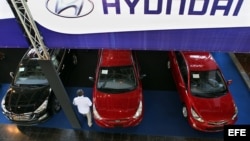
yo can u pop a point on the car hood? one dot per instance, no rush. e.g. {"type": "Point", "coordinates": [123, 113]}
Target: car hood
{"type": "Point", "coordinates": [25, 99]}
{"type": "Point", "coordinates": [219, 108]}
{"type": "Point", "coordinates": [120, 105]}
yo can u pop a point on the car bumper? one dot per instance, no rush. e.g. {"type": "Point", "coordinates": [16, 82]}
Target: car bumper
{"type": "Point", "coordinates": [113, 123]}
{"type": "Point", "coordinates": [212, 126]}
{"type": "Point", "coordinates": [27, 118]}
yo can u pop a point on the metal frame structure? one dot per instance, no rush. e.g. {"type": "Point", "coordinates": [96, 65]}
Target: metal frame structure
{"type": "Point", "coordinates": [23, 15]}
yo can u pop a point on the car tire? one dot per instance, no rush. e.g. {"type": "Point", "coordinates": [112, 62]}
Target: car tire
{"type": "Point", "coordinates": [184, 111]}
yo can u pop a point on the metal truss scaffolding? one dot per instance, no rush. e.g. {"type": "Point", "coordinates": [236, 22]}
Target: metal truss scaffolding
{"type": "Point", "coordinates": [23, 15]}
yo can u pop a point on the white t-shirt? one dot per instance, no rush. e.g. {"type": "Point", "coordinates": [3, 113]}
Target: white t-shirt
{"type": "Point", "coordinates": [83, 104]}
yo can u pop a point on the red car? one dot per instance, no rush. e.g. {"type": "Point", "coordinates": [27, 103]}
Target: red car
{"type": "Point", "coordinates": [117, 92]}
{"type": "Point", "coordinates": [207, 102]}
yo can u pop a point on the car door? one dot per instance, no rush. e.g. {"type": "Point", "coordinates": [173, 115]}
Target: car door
{"type": "Point", "coordinates": [182, 75]}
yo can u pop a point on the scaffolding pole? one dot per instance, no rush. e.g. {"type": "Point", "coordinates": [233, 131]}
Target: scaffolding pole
{"type": "Point", "coordinates": [24, 17]}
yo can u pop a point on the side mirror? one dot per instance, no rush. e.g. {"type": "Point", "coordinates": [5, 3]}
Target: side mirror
{"type": "Point", "coordinates": [91, 78]}
{"type": "Point", "coordinates": [229, 82]}
{"type": "Point", "coordinates": [12, 74]}
{"type": "Point", "coordinates": [63, 66]}
{"type": "Point", "coordinates": [142, 76]}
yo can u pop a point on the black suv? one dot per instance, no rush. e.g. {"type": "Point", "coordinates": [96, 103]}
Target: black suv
{"type": "Point", "coordinates": [30, 99]}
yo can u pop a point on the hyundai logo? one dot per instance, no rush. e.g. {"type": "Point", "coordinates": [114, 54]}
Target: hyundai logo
{"type": "Point", "coordinates": [70, 8]}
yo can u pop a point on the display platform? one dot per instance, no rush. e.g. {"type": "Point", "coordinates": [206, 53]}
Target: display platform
{"type": "Point", "coordinates": [162, 115]}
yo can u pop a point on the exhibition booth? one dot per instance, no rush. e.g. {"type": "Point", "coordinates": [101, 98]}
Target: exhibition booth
{"type": "Point", "coordinates": [148, 27]}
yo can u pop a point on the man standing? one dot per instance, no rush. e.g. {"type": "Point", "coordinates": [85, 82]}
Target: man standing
{"type": "Point", "coordinates": [83, 105]}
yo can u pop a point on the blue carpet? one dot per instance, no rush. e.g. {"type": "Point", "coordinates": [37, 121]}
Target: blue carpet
{"type": "Point", "coordinates": [162, 116]}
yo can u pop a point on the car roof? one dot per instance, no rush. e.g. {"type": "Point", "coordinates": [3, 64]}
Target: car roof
{"type": "Point", "coordinates": [200, 61]}
{"type": "Point", "coordinates": [111, 57]}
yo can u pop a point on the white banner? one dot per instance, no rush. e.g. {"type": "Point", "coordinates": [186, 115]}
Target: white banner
{"type": "Point", "coordinates": [5, 11]}
{"type": "Point", "coordinates": [98, 16]}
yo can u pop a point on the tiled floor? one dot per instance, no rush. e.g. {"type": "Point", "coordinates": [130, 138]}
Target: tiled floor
{"type": "Point", "coordinates": [11, 132]}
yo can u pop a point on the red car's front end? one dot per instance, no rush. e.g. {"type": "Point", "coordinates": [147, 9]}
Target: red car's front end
{"type": "Point", "coordinates": [118, 110]}
{"type": "Point", "coordinates": [117, 93]}
{"type": "Point", "coordinates": [211, 114]}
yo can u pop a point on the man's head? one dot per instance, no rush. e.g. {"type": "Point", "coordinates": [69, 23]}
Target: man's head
{"type": "Point", "coordinates": [80, 92]}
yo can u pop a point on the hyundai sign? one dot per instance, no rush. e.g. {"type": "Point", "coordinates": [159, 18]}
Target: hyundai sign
{"type": "Point", "coordinates": [97, 16]}
{"type": "Point", "coordinates": [206, 25]}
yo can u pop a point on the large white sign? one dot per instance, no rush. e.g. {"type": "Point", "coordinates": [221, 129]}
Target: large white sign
{"type": "Point", "coordinates": [97, 16]}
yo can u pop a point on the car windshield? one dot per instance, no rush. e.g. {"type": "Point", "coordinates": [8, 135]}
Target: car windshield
{"type": "Point", "coordinates": [207, 84]}
{"type": "Point", "coordinates": [30, 73]}
{"type": "Point", "coordinates": [116, 79]}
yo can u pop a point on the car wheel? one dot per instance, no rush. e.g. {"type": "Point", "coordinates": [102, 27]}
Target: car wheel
{"type": "Point", "coordinates": [74, 59]}
{"type": "Point", "coordinates": [184, 111]}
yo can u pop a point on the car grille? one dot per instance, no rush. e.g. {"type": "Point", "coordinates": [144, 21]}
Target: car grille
{"type": "Point", "coordinates": [118, 123]}
{"type": "Point", "coordinates": [21, 117]}
{"type": "Point", "coordinates": [220, 128]}
{"type": "Point", "coordinates": [217, 123]}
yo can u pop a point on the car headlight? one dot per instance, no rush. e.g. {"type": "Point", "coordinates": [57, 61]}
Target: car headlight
{"type": "Point", "coordinates": [96, 114]}
{"type": "Point", "coordinates": [42, 107]}
{"type": "Point", "coordinates": [3, 105]}
{"type": "Point", "coordinates": [139, 110]}
{"type": "Point", "coordinates": [235, 113]}
{"type": "Point", "coordinates": [3, 100]}
{"type": "Point", "coordinates": [196, 116]}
